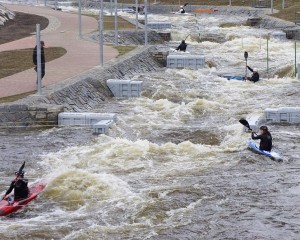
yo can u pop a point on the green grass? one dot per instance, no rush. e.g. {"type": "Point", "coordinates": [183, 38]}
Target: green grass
{"type": "Point", "coordinates": [16, 61]}
{"type": "Point", "coordinates": [15, 97]}
{"type": "Point", "coordinates": [124, 49]}
{"type": "Point", "coordinates": [109, 22]}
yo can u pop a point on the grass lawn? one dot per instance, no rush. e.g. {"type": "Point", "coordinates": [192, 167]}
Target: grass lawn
{"type": "Point", "coordinates": [23, 25]}
{"type": "Point", "coordinates": [12, 62]}
{"type": "Point", "coordinates": [109, 22]}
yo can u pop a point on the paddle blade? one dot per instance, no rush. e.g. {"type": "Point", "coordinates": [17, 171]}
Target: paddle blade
{"type": "Point", "coordinates": [245, 123]}
{"type": "Point", "coordinates": [21, 168]}
{"type": "Point", "coordinates": [246, 55]}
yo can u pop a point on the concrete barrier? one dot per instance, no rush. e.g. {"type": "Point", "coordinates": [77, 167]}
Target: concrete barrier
{"type": "Point", "coordinates": [185, 61]}
{"type": "Point", "coordinates": [83, 119]}
{"type": "Point", "coordinates": [102, 126]}
{"type": "Point", "coordinates": [159, 25]}
{"type": "Point", "coordinates": [125, 88]}
{"type": "Point", "coordinates": [284, 114]}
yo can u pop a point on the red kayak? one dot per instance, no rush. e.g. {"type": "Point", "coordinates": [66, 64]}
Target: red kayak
{"type": "Point", "coordinates": [7, 207]}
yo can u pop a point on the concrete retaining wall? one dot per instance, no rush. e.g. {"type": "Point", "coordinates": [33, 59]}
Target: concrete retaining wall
{"type": "Point", "coordinates": [77, 94]}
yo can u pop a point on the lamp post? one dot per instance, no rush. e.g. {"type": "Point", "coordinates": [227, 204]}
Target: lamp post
{"type": "Point", "coordinates": [101, 32]}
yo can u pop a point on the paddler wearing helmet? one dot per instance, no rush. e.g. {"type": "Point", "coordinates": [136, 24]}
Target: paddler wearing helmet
{"type": "Point", "coordinates": [20, 187]}
{"type": "Point", "coordinates": [265, 138]}
{"type": "Point", "coordinates": [255, 75]}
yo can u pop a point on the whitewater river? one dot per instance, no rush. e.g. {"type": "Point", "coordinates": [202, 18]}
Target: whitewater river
{"type": "Point", "coordinates": [175, 165]}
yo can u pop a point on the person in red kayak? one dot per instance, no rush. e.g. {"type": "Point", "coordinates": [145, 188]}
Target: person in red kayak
{"type": "Point", "coordinates": [20, 187]}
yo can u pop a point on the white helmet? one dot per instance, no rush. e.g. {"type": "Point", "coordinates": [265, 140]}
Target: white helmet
{"type": "Point", "coordinates": [254, 69]}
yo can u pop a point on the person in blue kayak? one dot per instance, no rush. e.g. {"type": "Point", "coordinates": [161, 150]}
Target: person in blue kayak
{"type": "Point", "coordinates": [255, 75]}
{"type": "Point", "coordinates": [265, 138]}
{"type": "Point", "coordinates": [20, 187]}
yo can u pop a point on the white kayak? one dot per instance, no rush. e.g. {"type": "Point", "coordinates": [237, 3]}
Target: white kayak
{"type": "Point", "coordinates": [272, 154]}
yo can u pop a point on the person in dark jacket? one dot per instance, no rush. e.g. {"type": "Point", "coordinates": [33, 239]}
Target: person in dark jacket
{"type": "Point", "coordinates": [265, 138]}
{"type": "Point", "coordinates": [20, 187]}
{"type": "Point", "coordinates": [34, 58]}
{"type": "Point", "coordinates": [255, 75]}
{"type": "Point", "coordinates": [182, 46]}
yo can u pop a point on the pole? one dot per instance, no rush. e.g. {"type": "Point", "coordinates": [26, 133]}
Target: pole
{"type": "Point", "coordinates": [260, 36]}
{"type": "Point", "coordinates": [110, 7]}
{"type": "Point", "coordinates": [295, 59]}
{"type": "Point", "coordinates": [146, 23]}
{"type": "Point", "coordinates": [136, 15]}
{"type": "Point", "coordinates": [272, 6]}
{"type": "Point", "coordinates": [268, 57]}
{"type": "Point", "coordinates": [229, 2]}
{"type": "Point", "coordinates": [55, 5]}
{"type": "Point", "coordinates": [282, 4]}
{"type": "Point", "coordinates": [116, 23]}
{"type": "Point", "coordinates": [38, 55]}
{"type": "Point", "coordinates": [101, 32]}
{"type": "Point", "coordinates": [79, 19]}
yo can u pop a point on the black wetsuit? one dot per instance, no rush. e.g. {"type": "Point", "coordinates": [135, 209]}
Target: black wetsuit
{"type": "Point", "coordinates": [21, 189]}
{"type": "Point", "coordinates": [34, 59]}
{"type": "Point", "coordinates": [255, 76]}
{"type": "Point", "coordinates": [265, 141]}
{"type": "Point", "coordinates": [182, 46]}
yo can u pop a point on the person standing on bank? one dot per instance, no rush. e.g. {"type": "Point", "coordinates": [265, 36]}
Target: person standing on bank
{"type": "Point", "coordinates": [265, 138]}
{"type": "Point", "coordinates": [255, 75]}
{"type": "Point", "coordinates": [34, 58]}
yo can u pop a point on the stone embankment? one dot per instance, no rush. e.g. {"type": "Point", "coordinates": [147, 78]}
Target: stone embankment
{"type": "Point", "coordinates": [80, 93]}
{"type": "Point", "coordinates": [5, 14]}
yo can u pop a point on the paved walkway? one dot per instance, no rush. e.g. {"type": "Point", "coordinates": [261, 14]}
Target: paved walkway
{"type": "Point", "coordinates": [62, 32]}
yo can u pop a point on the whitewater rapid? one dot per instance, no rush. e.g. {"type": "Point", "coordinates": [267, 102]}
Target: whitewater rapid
{"type": "Point", "coordinates": [175, 164]}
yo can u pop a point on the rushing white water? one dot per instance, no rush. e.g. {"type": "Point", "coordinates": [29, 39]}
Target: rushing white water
{"type": "Point", "coordinates": [175, 164]}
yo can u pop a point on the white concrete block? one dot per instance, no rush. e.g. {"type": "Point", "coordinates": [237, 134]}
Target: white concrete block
{"type": "Point", "coordinates": [102, 126]}
{"type": "Point", "coordinates": [136, 88]}
{"type": "Point", "coordinates": [119, 88]}
{"type": "Point", "coordinates": [284, 114]}
{"type": "Point", "coordinates": [125, 88]}
{"type": "Point", "coordinates": [186, 61]}
{"type": "Point", "coordinates": [159, 25]}
{"type": "Point", "coordinates": [71, 119]}
{"type": "Point", "coordinates": [93, 118]}
{"type": "Point", "coordinates": [279, 35]}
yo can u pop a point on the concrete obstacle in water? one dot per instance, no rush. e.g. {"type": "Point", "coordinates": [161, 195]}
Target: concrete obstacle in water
{"type": "Point", "coordinates": [279, 35]}
{"type": "Point", "coordinates": [124, 88]}
{"type": "Point", "coordinates": [185, 61]}
{"type": "Point", "coordinates": [274, 115]}
{"type": "Point", "coordinates": [100, 122]}
{"type": "Point", "coordinates": [284, 114]}
{"type": "Point", "coordinates": [159, 25]}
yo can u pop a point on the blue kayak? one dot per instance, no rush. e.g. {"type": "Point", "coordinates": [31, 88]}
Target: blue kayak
{"type": "Point", "coordinates": [241, 78]}
{"type": "Point", "coordinates": [271, 154]}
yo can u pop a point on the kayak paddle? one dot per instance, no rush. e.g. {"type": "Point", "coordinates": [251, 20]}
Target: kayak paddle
{"type": "Point", "coordinates": [245, 123]}
{"type": "Point", "coordinates": [246, 56]}
{"type": "Point", "coordinates": [21, 169]}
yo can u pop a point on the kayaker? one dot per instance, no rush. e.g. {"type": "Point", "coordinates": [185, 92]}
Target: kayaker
{"type": "Point", "coordinates": [182, 46]}
{"type": "Point", "coordinates": [181, 10]}
{"type": "Point", "coordinates": [265, 138]}
{"type": "Point", "coordinates": [255, 75]}
{"type": "Point", "coordinates": [20, 187]}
